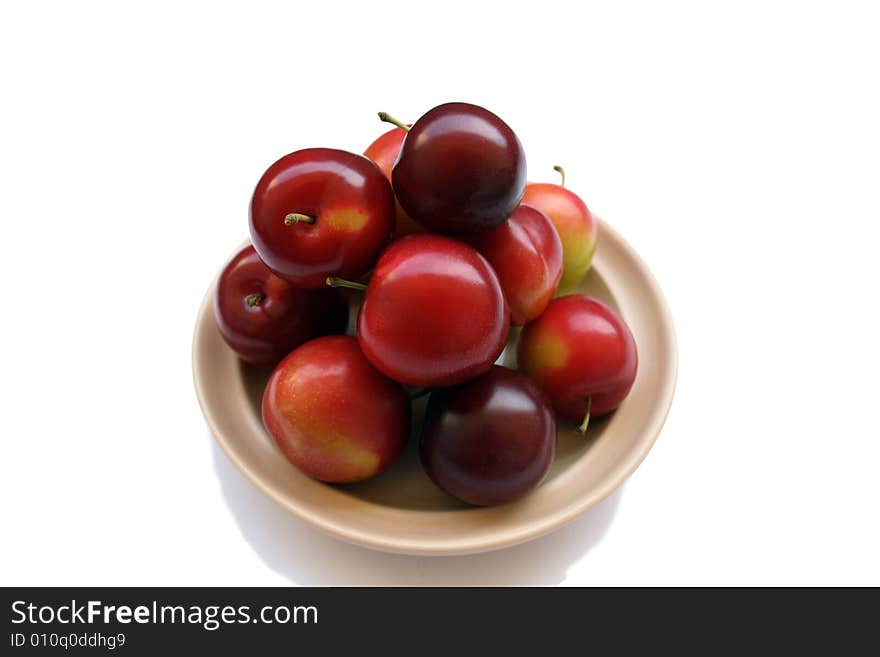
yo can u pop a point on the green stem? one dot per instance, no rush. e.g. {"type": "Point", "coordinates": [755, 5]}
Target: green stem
{"type": "Point", "coordinates": [254, 299]}
{"type": "Point", "coordinates": [419, 392]}
{"type": "Point", "coordinates": [335, 281]}
{"type": "Point", "coordinates": [583, 427]}
{"type": "Point", "coordinates": [385, 116]}
{"type": "Point", "coordinates": [296, 217]}
{"type": "Point", "coordinates": [561, 173]}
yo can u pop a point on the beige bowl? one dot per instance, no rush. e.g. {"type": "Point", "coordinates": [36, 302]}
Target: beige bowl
{"type": "Point", "coordinates": [401, 510]}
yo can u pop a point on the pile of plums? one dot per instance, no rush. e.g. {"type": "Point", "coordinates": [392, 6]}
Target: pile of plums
{"type": "Point", "coordinates": [437, 229]}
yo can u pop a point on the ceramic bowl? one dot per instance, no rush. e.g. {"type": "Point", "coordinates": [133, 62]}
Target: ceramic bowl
{"type": "Point", "coordinates": [401, 510]}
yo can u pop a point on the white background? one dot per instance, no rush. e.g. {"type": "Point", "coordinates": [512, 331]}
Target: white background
{"type": "Point", "coordinates": [735, 145]}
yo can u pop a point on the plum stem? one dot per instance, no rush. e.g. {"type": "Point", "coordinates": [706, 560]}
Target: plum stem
{"type": "Point", "coordinates": [418, 392]}
{"type": "Point", "coordinates": [335, 281]}
{"type": "Point", "coordinates": [254, 299]}
{"type": "Point", "coordinates": [296, 217]}
{"type": "Point", "coordinates": [561, 173]}
{"type": "Point", "coordinates": [385, 116]}
{"type": "Point", "coordinates": [586, 422]}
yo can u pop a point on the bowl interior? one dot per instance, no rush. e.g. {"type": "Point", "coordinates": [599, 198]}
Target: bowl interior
{"type": "Point", "coordinates": [401, 510]}
{"type": "Point", "coordinates": [404, 484]}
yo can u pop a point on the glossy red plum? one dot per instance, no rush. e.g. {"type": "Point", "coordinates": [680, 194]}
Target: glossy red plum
{"type": "Point", "coordinates": [320, 212]}
{"type": "Point", "coordinates": [433, 313]}
{"type": "Point", "coordinates": [262, 317]}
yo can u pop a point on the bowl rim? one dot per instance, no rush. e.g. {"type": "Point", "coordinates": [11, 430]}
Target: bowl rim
{"type": "Point", "coordinates": [549, 523]}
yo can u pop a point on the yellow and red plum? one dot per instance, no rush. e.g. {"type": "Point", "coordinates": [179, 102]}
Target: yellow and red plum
{"type": "Point", "coordinates": [384, 152]}
{"type": "Point", "coordinates": [332, 414]}
{"type": "Point", "coordinates": [576, 225]}
{"type": "Point", "coordinates": [582, 354]}
{"type": "Point", "coordinates": [526, 253]}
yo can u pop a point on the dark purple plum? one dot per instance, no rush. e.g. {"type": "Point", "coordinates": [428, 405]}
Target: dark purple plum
{"type": "Point", "coordinates": [490, 440]}
{"type": "Point", "coordinates": [461, 169]}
